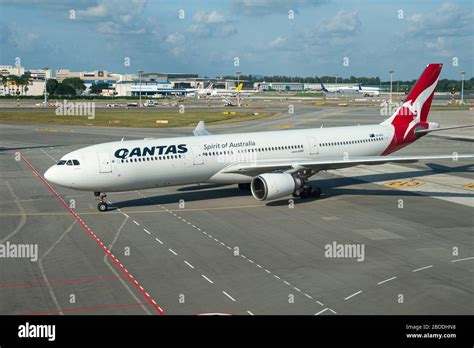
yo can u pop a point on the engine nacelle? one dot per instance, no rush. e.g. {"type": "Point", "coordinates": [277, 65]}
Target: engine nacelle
{"type": "Point", "coordinates": [272, 186]}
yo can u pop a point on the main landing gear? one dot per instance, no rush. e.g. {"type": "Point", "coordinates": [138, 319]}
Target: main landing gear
{"type": "Point", "coordinates": [307, 191]}
{"type": "Point", "coordinates": [102, 206]}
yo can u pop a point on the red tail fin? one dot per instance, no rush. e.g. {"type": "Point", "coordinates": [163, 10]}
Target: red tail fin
{"type": "Point", "coordinates": [414, 110]}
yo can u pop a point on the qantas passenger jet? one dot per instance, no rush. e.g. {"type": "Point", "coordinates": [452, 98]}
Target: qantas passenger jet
{"type": "Point", "coordinates": [271, 164]}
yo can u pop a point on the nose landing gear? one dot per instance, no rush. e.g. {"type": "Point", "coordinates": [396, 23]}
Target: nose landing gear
{"type": "Point", "coordinates": [102, 206]}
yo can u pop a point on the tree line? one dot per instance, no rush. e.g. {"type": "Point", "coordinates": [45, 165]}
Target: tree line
{"type": "Point", "coordinates": [68, 87]}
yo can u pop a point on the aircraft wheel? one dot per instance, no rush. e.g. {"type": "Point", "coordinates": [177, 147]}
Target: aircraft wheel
{"type": "Point", "coordinates": [102, 206]}
{"type": "Point", "coordinates": [316, 191]}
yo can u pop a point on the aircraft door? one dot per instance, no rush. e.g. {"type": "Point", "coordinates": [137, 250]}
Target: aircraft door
{"type": "Point", "coordinates": [313, 146]}
{"type": "Point", "coordinates": [105, 165]}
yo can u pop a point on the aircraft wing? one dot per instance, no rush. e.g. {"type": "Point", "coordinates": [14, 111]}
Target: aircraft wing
{"type": "Point", "coordinates": [327, 163]}
{"type": "Point", "coordinates": [200, 129]}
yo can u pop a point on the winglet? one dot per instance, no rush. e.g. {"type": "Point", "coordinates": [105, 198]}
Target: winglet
{"type": "Point", "coordinates": [200, 129]}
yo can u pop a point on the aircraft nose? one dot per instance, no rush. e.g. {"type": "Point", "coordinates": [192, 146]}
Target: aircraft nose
{"type": "Point", "coordinates": [50, 175]}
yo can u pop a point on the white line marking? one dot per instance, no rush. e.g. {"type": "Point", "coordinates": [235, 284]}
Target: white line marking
{"type": "Point", "coordinates": [354, 294]}
{"type": "Point", "coordinates": [386, 280]}
{"type": "Point", "coordinates": [286, 282]}
{"type": "Point", "coordinates": [210, 281]}
{"type": "Point", "coordinates": [332, 311]}
{"type": "Point", "coordinates": [466, 258]}
{"type": "Point", "coordinates": [186, 262]}
{"type": "Point", "coordinates": [146, 230]}
{"type": "Point", "coordinates": [308, 296]}
{"type": "Point", "coordinates": [297, 289]}
{"type": "Point", "coordinates": [136, 223]}
{"type": "Point", "coordinates": [422, 268]}
{"type": "Point", "coordinates": [225, 293]}
{"type": "Point", "coordinates": [277, 277]}
{"type": "Point", "coordinates": [172, 251]}
{"type": "Point", "coordinates": [320, 312]}
{"type": "Point", "coordinates": [126, 215]}
{"type": "Point", "coordinates": [249, 312]}
{"type": "Point", "coordinates": [266, 270]}
{"type": "Point", "coordinates": [259, 266]}
{"type": "Point", "coordinates": [159, 241]}
{"type": "Point", "coordinates": [320, 303]}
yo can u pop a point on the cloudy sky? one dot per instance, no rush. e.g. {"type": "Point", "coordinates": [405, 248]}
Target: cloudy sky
{"type": "Point", "coordinates": [269, 37]}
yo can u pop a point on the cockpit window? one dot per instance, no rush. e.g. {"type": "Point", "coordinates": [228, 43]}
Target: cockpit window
{"type": "Point", "coordinates": [61, 163]}
{"type": "Point", "coordinates": [69, 163]}
{"type": "Point", "coordinates": [76, 162]}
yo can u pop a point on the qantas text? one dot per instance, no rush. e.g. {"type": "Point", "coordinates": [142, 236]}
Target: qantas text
{"type": "Point", "coordinates": [151, 151]}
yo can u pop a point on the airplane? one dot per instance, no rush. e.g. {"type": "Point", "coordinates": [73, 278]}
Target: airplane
{"type": "Point", "coordinates": [337, 89]}
{"type": "Point", "coordinates": [272, 164]}
{"type": "Point", "coordinates": [369, 91]}
{"type": "Point", "coordinates": [220, 92]}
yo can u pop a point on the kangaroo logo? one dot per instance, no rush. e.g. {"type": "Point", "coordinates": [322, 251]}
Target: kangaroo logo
{"type": "Point", "coordinates": [415, 107]}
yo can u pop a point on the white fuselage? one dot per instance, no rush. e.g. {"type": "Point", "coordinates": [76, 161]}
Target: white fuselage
{"type": "Point", "coordinates": [140, 164]}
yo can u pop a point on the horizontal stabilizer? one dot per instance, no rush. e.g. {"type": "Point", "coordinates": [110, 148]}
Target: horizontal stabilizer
{"type": "Point", "coordinates": [424, 131]}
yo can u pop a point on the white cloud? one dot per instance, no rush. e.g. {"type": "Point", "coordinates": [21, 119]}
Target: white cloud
{"type": "Point", "coordinates": [438, 46]}
{"type": "Point", "coordinates": [443, 32]}
{"type": "Point", "coordinates": [448, 20]}
{"type": "Point", "coordinates": [211, 17]}
{"type": "Point", "coordinates": [174, 38]}
{"type": "Point", "coordinates": [99, 10]}
{"type": "Point", "coordinates": [115, 17]}
{"type": "Point", "coordinates": [266, 7]}
{"type": "Point", "coordinates": [278, 42]}
{"type": "Point", "coordinates": [211, 24]}
{"type": "Point", "coordinates": [342, 24]}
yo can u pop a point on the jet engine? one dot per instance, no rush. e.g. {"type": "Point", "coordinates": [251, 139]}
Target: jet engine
{"type": "Point", "coordinates": [273, 185]}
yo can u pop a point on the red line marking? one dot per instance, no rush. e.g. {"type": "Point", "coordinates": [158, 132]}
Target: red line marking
{"type": "Point", "coordinates": [59, 282]}
{"type": "Point", "coordinates": [93, 236]}
{"type": "Point", "coordinates": [86, 309]}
